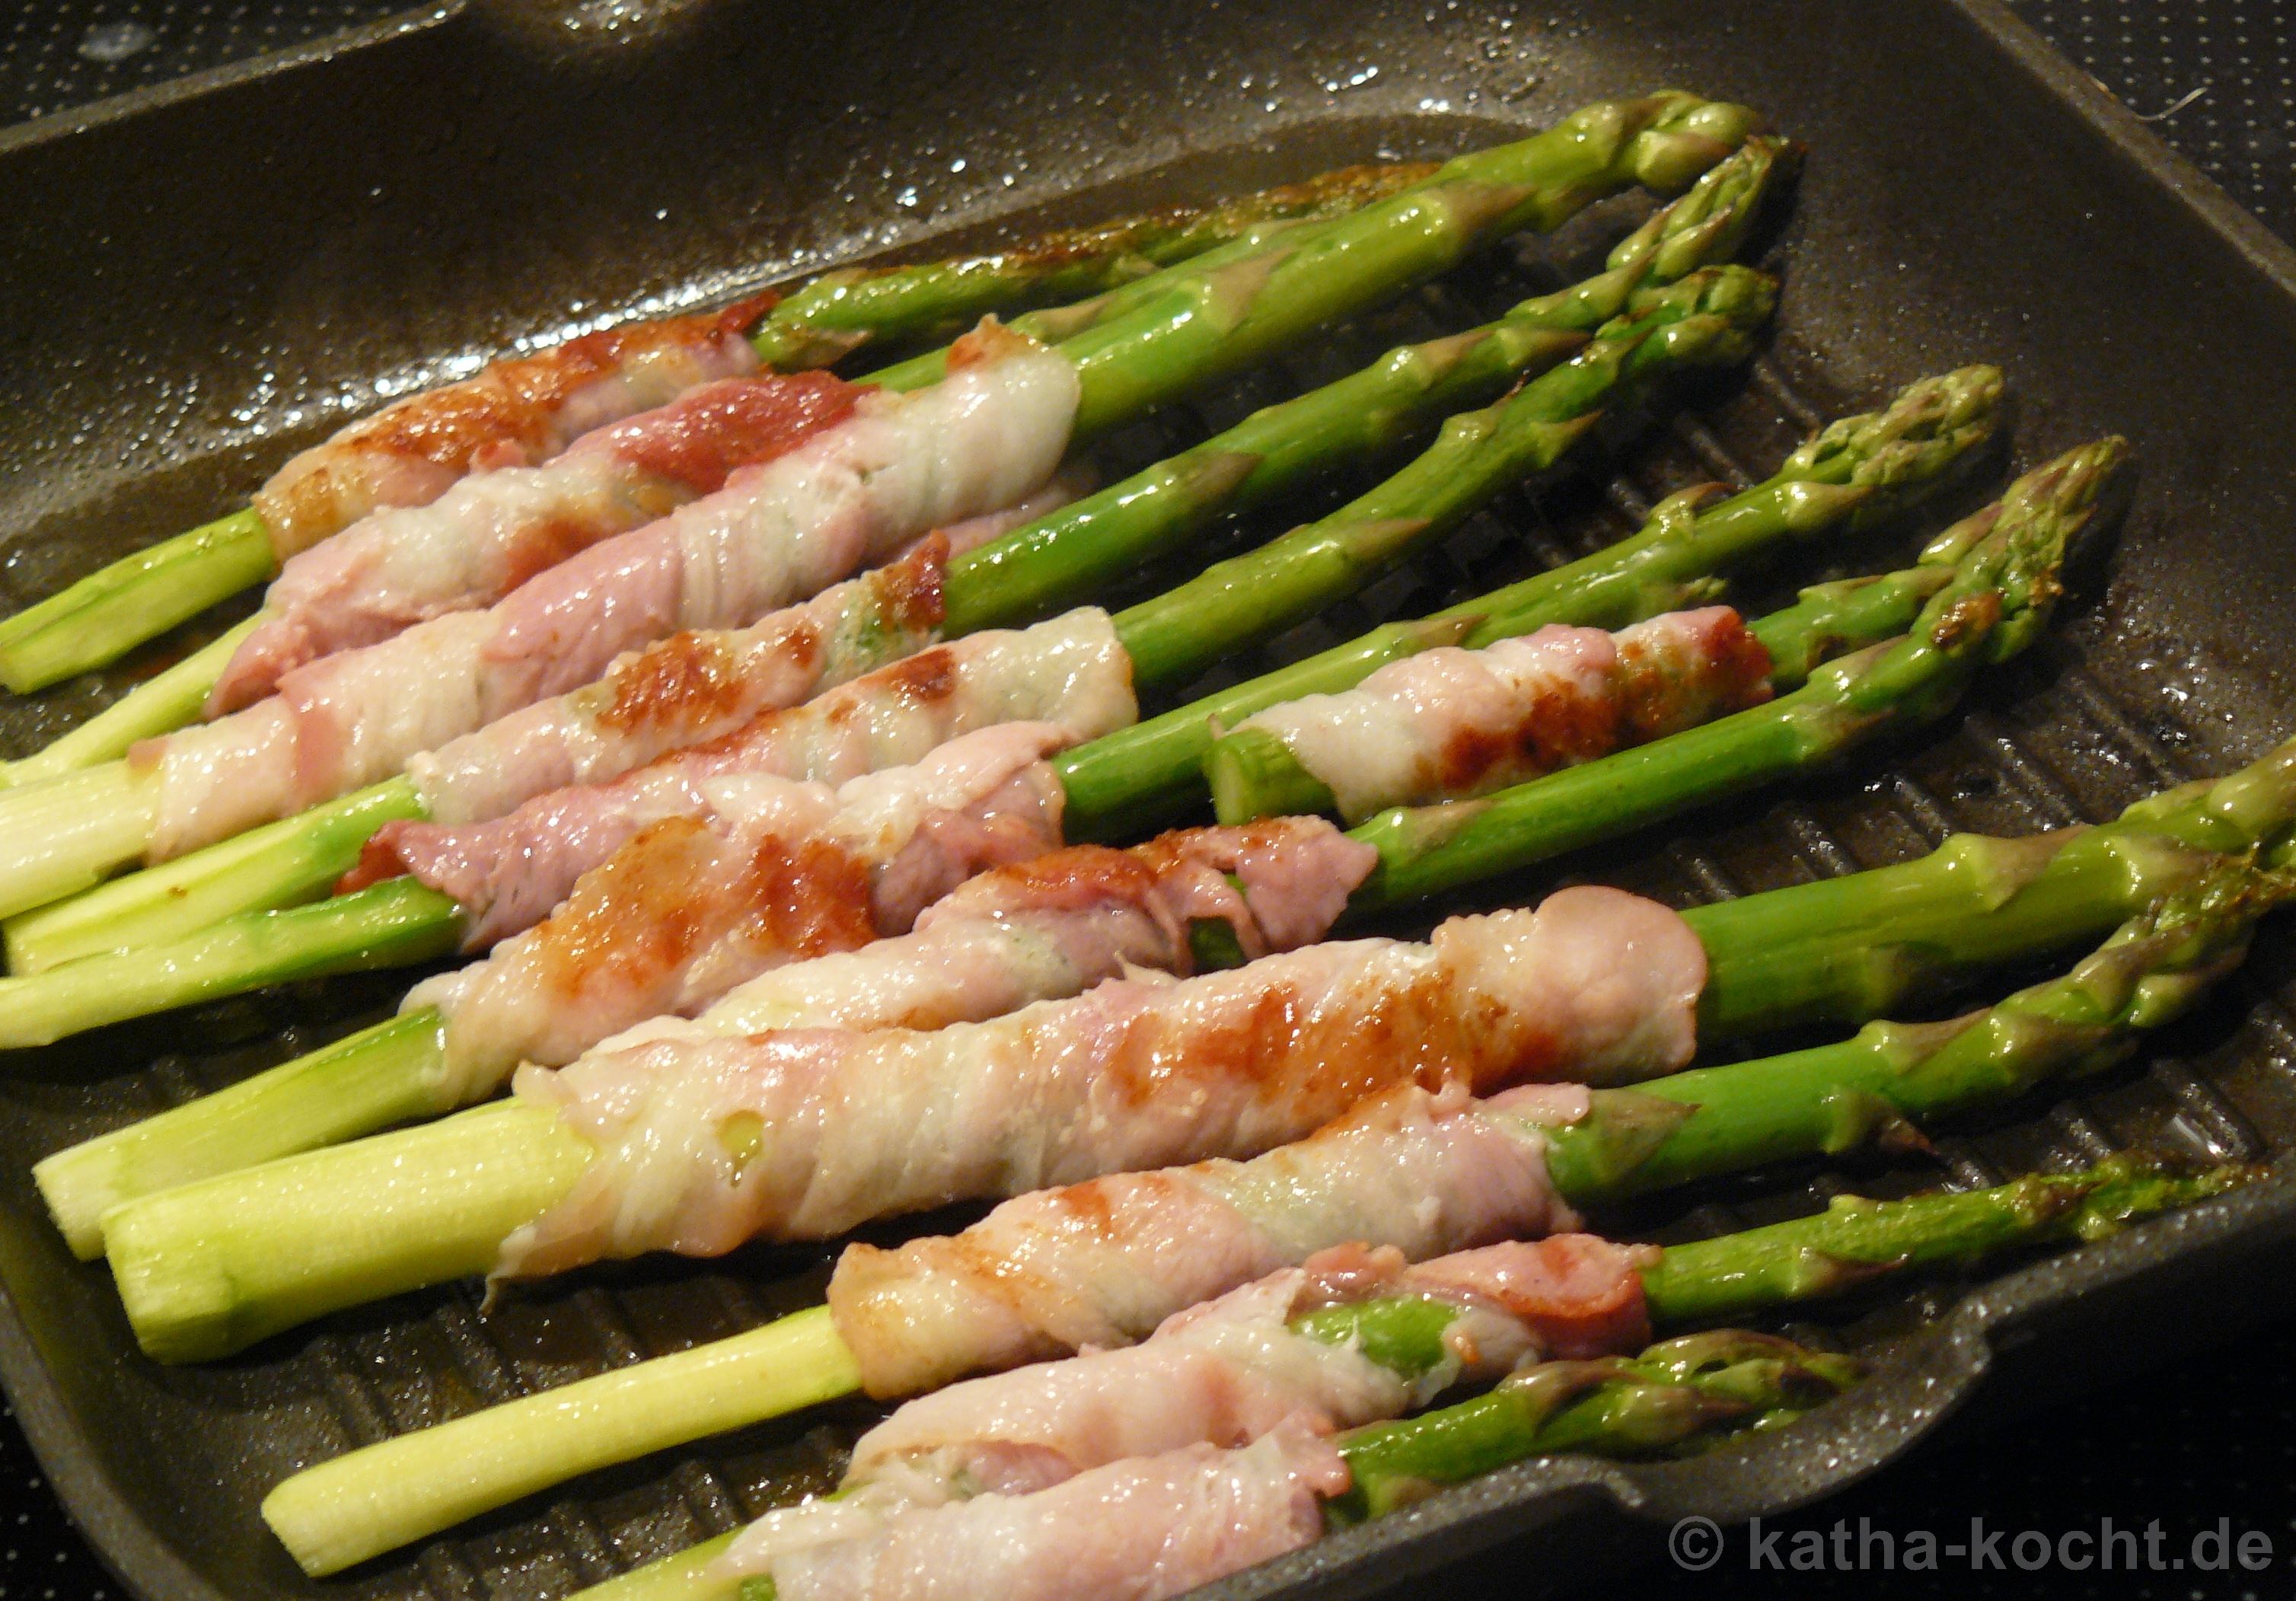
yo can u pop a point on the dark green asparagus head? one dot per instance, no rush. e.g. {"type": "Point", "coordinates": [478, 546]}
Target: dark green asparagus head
{"type": "Point", "coordinates": [2004, 586]}
{"type": "Point", "coordinates": [1710, 318]}
{"type": "Point", "coordinates": [1666, 140]}
{"type": "Point", "coordinates": [1702, 228]}
{"type": "Point", "coordinates": [1708, 223]}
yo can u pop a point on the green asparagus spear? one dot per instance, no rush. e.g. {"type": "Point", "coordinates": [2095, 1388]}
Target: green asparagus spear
{"type": "Point", "coordinates": [1893, 1076]}
{"type": "Point", "coordinates": [106, 614]}
{"type": "Point", "coordinates": [1998, 601]}
{"type": "Point", "coordinates": [836, 313]}
{"type": "Point", "coordinates": [1638, 1407]}
{"type": "Point", "coordinates": [1860, 470]}
{"type": "Point", "coordinates": [1706, 318]}
{"type": "Point", "coordinates": [1061, 558]}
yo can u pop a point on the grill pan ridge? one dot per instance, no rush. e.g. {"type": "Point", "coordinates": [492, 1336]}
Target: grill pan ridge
{"type": "Point", "coordinates": [223, 265]}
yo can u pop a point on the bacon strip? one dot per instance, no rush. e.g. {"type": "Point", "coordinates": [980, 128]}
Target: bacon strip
{"type": "Point", "coordinates": [1139, 1530]}
{"type": "Point", "coordinates": [703, 1145]}
{"type": "Point", "coordinates": [1102, 1264]}
{"type": "Point", "coordinates": [985, 438]}
{"type": "Point", "coordinates": [506, 874]}
{"type": "Point", "coordinates": [515, 412]}
{"type": "Point", "coordinates": [491, 532]}
{"type": "Point", "coordinates": [1449, 723]}
{"type": "Point", "coordinates": [1231, 1369]}
{"type": "Point", "coordinates": [701, 684]}
{"type": "Point", "coordinates": [1053, 927]}
{"type": "Point", "coordinates": [765, 872]}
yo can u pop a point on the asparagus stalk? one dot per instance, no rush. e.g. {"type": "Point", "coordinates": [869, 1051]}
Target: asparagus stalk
{"type": "Point", "coordinates": [838, 312]}
{"type": "Point", "coordinates": [105, 615]}
{"type": "Point", "coordinates": [374, 1499]}
{"type": "Point", "coordinates": [165, 702]}
{"type": "Point", "coordinates": [1637, 1408]}
{"type": "Point", "coordinates": [1996, 604]}
{"type": "Point", "coordinates": [210, 1267]}
{"type": "Point", "coordinates": [1060, 559]}
{"type": "Point", "coordinates": [1856, 471]}
{"type": "Point", "coordinates": [1888, 1077]}
{"type": "Point", "coordinates": [1199, 324]}
{"type": "Point", "coordinates": [1705, 319]}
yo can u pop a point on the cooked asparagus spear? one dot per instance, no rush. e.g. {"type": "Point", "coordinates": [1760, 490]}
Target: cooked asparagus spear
{"type": "Point", "coordinates": [108, 613]}
{"type": "Point", "coordinates": [1704, 320]}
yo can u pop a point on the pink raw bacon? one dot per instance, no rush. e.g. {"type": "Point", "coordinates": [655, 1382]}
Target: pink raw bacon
{"type": "Point", "coordinates": [1103, 1263]}
{"type": "Point", "coordinates": [1054, 926]}
{"type": "Point", "coordinates": [512, 413]}
{"type": "Point", "coordinates": [699, 684]}
{"type": "Point", "coordinates": [1140, 1529]}
{"type": "Point", "coordinates": [491, 532]}
{"type": "Point", "coordinates": [1230, 1369]}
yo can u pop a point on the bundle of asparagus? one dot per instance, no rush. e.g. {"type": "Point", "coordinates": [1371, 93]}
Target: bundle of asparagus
{"type": "Point", "coordinates": [883, 1026]}
{"type": "Point", "coordinates": [912, 1319]}
{"type": "Point", "coordinates": [423, 1062]}
{"type": "Point", "coordinates": [686, 691]}
{"type": "Point", "coordinates": [1142, 345]}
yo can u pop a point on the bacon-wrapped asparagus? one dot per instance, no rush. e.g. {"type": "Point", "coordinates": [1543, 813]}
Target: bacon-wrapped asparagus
{"type": "Point", "coordinates": [697, 685]}
{"type": "Point", "coordinates": [493, 531]}
{"type": "Point", "coordinates": [1051, 1421]}
{"type": "Point", "coordinates": [1705, 319]}
{"type": "Point", "coordinates": [1151, 338]}
{"type": "Point", "coordinates": [1040, 930]}
{"type": "Point", "coordinates": [525, 410]}
{"type": "Point", "coordinates": [1597, 984]}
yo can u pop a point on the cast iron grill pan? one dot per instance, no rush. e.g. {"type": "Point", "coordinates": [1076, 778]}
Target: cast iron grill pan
{"type": "Point", "coordinates": [221, 267]}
